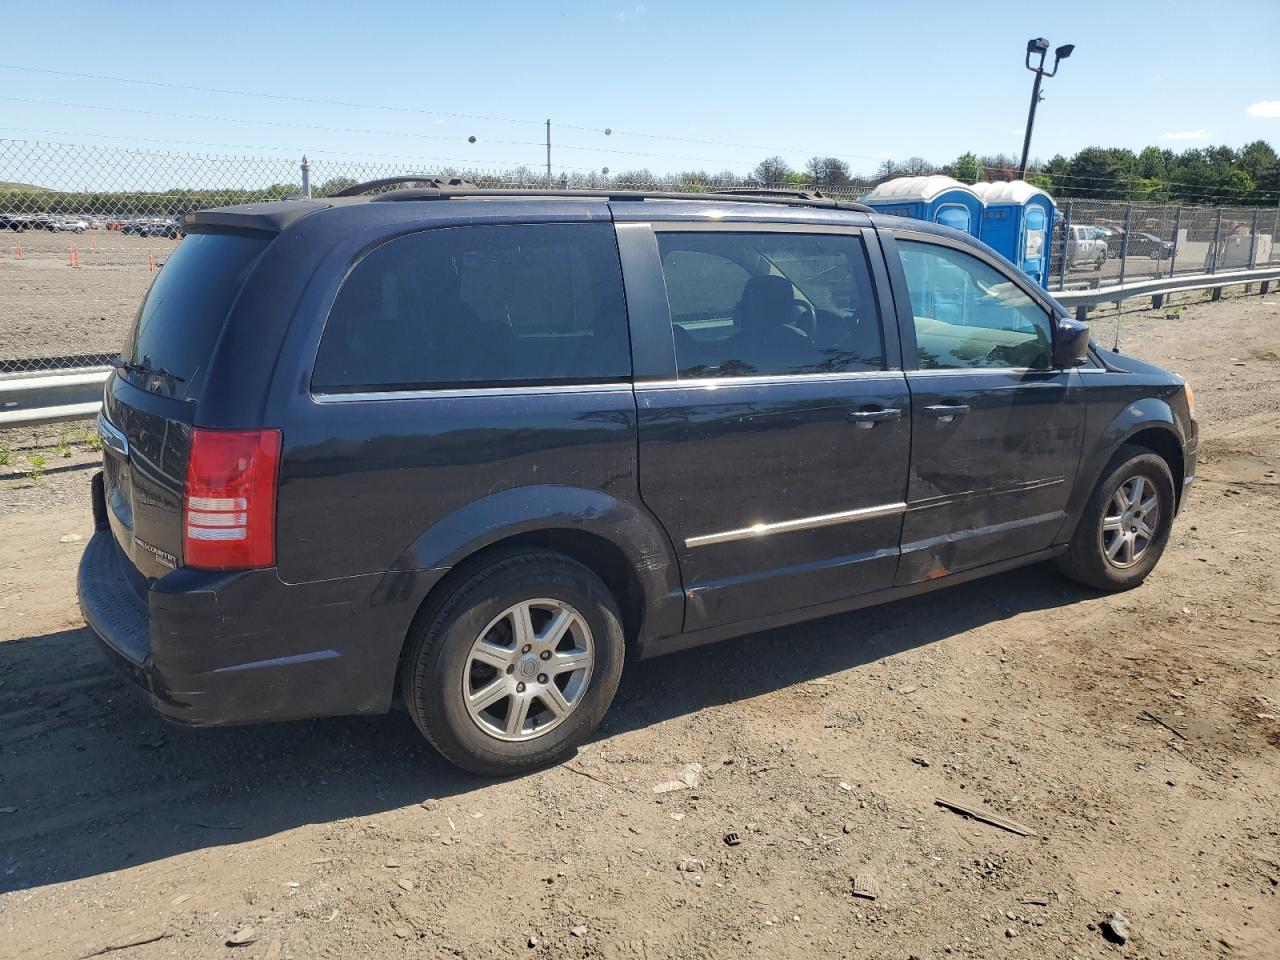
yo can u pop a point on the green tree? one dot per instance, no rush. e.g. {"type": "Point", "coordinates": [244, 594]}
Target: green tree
{"type": "Point", "coordinates": [966, 169]}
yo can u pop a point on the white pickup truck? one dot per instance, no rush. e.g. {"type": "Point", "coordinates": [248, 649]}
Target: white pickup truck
{"type": "Point", "coordinates": [1086, 246]}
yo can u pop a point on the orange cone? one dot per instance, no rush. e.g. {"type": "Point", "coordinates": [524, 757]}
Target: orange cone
{"type": "Point", "coordinates": [20, 254]}
{"type": "Point", "coordinates": [151, 262]}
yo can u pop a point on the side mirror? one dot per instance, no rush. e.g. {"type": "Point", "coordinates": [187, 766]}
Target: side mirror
{"type": "Point", "coordinates": [1070, 343]}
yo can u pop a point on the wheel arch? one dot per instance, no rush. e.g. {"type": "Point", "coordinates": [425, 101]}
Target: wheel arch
{"type": "Point", "coordinates": [1149, 423]}
{"type": "Point", "coordinates": [618, 541]}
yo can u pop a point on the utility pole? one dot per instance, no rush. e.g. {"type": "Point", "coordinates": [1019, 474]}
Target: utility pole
{"type": "Point", "coordinates": [549, 153]}
{"type": "Point", "coordinates": [1041, 46]}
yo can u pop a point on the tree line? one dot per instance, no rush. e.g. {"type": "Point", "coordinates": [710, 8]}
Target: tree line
{"type": "Point", "coordinates": [1248, 176]}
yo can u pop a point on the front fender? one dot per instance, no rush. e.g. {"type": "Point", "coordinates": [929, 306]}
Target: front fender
{"type": "Point", "coordinates": [631, 529]}
{"type": "Point", "coordinates": [1127, 421]}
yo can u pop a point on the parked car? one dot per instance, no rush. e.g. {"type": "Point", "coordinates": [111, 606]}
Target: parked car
{"type": "Point", "coordinates": [1085, 245]}
{"type": "Point", "coordinates": [1149, 245]}
{"type": "Point", "coordinates": [470, 450]}
{"type": "Point", "coordinates": [13, 221]}
{"type": "Point", "coordinates": [69, 225]}
{"type": "Point", "coordinates": [1139, 244]}
{"type": "Point", "coordinates": [152, 228]}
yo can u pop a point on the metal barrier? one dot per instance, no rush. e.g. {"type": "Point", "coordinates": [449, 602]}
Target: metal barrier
{"type": "Point", "coordinates": [1162, 287]}
{"type": "Point", "coordinates": [33, 399]}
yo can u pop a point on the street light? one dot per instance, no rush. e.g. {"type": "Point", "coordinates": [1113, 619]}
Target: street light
{"type": "Point", "coordinates": [1041, 46]}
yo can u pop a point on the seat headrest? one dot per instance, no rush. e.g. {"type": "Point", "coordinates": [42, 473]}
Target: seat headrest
{"type": "Point", "coordinates": [766, 303]}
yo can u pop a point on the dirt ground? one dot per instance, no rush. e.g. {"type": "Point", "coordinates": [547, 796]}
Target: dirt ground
{"type": "Point", "coordinates": [823, 746]}
{"type": "Point", "coordinates": [48, 308]}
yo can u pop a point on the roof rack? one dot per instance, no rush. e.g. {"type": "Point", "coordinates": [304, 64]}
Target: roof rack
{"type": "Point", "coordinates": [434, 181]}
{"type": "Point", "coordinates": [452, 188]}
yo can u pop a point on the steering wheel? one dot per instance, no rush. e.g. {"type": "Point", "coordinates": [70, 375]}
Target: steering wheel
{"type": "Point", "coordinates": [805, 318]}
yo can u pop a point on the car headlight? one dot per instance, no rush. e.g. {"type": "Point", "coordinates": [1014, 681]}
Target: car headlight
{"type": "Point", "coordinates": [1191, 399]}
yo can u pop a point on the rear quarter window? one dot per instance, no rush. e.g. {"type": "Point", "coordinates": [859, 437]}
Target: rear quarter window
{"type": "Point", "coordinates": [183, 313]}
{"type": "Point", "coordinates": [477, 306]}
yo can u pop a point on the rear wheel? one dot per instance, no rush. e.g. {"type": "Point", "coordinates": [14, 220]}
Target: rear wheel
{"type": "Point", "coordinates": [1125, 525]}
{"type": "Point", "coordinates": [515, 668]}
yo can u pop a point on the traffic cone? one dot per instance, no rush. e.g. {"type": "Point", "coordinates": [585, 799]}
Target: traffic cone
{"type": "Point", "coordinates": [20, 253]}
{"type": "Point", "coordinates": [151, 261]}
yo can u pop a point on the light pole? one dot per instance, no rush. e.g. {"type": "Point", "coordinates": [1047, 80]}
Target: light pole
{"type": "Point", "coordinates": [1041, 46]}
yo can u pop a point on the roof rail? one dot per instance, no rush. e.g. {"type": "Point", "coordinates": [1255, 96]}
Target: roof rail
{"type": "Point", "coordinates": [435, 181]}
{"type": "Point", "coordinates": [456, 188]}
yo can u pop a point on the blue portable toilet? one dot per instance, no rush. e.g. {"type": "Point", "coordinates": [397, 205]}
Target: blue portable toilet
{"type": "Point", "coordinates": [1017, 221]}
{"type": "Point", "coordinates": [938, 199]}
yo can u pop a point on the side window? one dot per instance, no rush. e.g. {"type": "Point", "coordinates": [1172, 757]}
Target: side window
{"type": "Point", "coordinates": [969, 314]}
{"type": "Point", "coordinates": [482, 305]}
{"type": "Point", "coordinates": [751, 304]}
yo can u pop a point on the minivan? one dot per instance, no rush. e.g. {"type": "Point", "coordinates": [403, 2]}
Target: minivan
{"type": "Point", "coordinates": [472, 450]}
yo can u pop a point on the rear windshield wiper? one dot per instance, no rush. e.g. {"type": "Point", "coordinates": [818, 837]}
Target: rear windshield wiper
{"type": "Point", "coordinates": [146, 370]}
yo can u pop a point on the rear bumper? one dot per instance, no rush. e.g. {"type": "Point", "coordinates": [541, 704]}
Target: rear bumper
{"type": "Point", "coordinates": [213, 648]}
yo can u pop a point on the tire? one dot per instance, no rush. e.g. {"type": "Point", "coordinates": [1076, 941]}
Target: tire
{"type": "Point", "coordinates": [1086, 560]}
{"type": "Point", "coordinates": [1101, 261]}
{"type": "Point", "coordinates": [442, 666]}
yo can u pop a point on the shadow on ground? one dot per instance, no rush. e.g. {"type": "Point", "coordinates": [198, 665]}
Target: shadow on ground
{"type": "Point", "coordinates": [99, 783]}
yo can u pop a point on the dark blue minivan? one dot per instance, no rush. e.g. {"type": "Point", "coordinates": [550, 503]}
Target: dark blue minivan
{"type": "Point", "coordinates": [472, 449]}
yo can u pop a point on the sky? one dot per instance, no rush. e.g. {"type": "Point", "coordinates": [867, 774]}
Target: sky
{"type": "Point", "coordinates": [680, 85]}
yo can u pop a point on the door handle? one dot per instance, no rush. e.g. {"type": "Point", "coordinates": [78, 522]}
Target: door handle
{"type": "Point", "coordinates": [866, 419]}
{"type": "Point", "coordinates": [946, 412]}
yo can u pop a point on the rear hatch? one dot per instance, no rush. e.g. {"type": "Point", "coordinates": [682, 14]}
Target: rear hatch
{"type": "Point", "coordinates": [152, 398]}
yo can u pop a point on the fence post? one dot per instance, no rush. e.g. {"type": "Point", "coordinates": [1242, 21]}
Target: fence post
{"type": "Point", "coordinates": [1124, 240]}
{"type": "Point", "coordinates": [306, 177]}
{"type": "Point", "coordinates": [1253, 241]}
{"type": "Point", "coordinates": [1066, 246]}
{"type": "Point", "coordinates": [1177, 226]}
{"type": "Point", "coordinates": [1217, 235]}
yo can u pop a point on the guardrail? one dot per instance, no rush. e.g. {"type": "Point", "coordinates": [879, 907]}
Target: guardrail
{"type": "Point", "coordinates": [32, 399]}
{"type": "Point", "coordinates": [1162, 287]}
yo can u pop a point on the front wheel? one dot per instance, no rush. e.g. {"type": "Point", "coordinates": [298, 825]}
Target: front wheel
{"type": "Point", "coordinates": [1125, 525]}
{"type": "Point", "coordinates": [515, 668]}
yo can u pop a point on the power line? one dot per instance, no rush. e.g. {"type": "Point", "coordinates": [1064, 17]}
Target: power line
{"type": "Point", "coordinates": [417, 110]}
{"type": "Point", "coordinates": [360, 130]}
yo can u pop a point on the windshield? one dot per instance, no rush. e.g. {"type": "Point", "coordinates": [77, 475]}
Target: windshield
{"type": "Point", "coordinates": [179, 321]}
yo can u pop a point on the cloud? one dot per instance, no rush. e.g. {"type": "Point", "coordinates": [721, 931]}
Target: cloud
{"type": "Point", "coordinates": [1270, 109]}
{"type": "Point", "coordinates": [1185, 135]}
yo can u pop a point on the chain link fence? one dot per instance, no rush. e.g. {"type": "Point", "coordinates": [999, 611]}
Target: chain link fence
{"type": "Point", "coordinates": [84, 228]}
{"type": "Point", "coordinates": [1103, 242]}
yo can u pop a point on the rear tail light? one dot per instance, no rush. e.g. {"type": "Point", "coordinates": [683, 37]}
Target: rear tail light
{"type": "Point", "coordinates": [229, 512]}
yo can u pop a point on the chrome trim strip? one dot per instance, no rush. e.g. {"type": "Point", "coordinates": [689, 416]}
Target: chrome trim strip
{"type": "Point", "coordinates": [719, 221]}
{"type": "Point", "coordinates": [464, 392]}
{"type": "Point", "coordinates": [951, 498]}
{"type": "Point", "coordinates": [960, 371]}
{"type": "Point", "coordinates": [804, 523]}
{"type": "Point", "coordinates": [712, 383]}
{"type": "Point", "coordinates": [112, 438]}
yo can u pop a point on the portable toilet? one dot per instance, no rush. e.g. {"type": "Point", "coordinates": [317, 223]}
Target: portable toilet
{"type": "Point", "coordinates": [1017, 221]}
{"type": "Point", "coordinates": [938, 198]}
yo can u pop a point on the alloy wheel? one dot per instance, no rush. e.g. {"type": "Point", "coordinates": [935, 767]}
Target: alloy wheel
{"type": "Point", "coordinates": [1130, 522]}
{"type": "Point", "coordinates": [528, 670]}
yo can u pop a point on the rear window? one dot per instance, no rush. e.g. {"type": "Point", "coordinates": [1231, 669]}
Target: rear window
{"type": "Point", "coordinates": [184, 311]}
{"type": "Point", "coordinates": [479, 305]}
